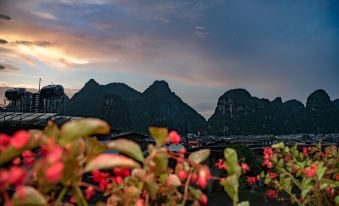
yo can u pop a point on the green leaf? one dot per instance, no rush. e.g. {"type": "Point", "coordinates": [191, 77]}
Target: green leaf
{"type": "Point", "coordinates": [320, 171]}
{"type": "Point", "coordinates": [32, 198]}
{"type": "Point", "coordinates": [127, 147]}
{"type": "Point", "coordinates": [231, 155]}
{"type": "Point", "coordinates": [51, 130]}
{"type": "Point", "coordinates": [280, 145]}
{"type": "Point", "coordinates": [245, 203]}
{"type": "Point", "coordinates": [173, 181]}
{"type": "Point", "coordinates": [231, 158]}
{"type": "Point", "coordinates": [152, 187]}
{"type": "Point", "coordinates": [159, 134]}
{"type": "Point", "coordinates": [337, 200]}
{"type": "Point", "coordinates": [76, 129]}
{"type": "Point", "coordinates": [200, 156]}
{"type": "Point", "coordinates": [196, 193]}
{"type": "Point", "coordinates": [231, 186]}
{"type": "Point", "coordinates": [306, 190]}
{"type": "Point", "coordinates": [161, 162]}
{"type": "Point", "coordinates": [94, 147]}
{"type": "Point", "coordinates": [109, 161]}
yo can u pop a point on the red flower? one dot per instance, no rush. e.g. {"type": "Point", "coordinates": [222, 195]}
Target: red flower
{"type": "Point", "coordinates": [203, 199]}
{"type": "Point", "coordinates": [21, 192]}
{"type": "Point", "coordinates": [118, 180]}
{"type": "Point", "coordinates": [273, 175]}
{"type": "Point", "coordinates": [4, 141]}
{"type": "Point", "coordinates": [54, 172]}
{"type": "Point", "coordinates": [193, 178]}
{"type": "Point", "coordinates": [16, 175]}
{"type": "Point", "coordinates": [102, 184]}
{"type": "Point", "coordinates": [271, 194]}
{"type": "Point", "coordinates": [245, 167]}
{"type": "Point", "coordinates": [183, 150]}
{"type": "Point", "coordinates": [182, 175]}
{"type": "Point", "coordinates": [140, 202]}
{"type": "Point", "coordinates": [267, 163]}
{"type": "Point", "coordinates": [311, 171]}
{"type": "Point", "coordinates": [99, 176]}
{"type": "Point", "coordinates": [28, 157]}
{"type": "Point", "coordinates": [90, 191]}
{"type": "Point", "coordinates": [174, 137]}
{"type": "Point", "coordinates": [54, 154]}
{"type": "Point", "coordinates": [251, 180]}
{"type": "Point", "coordinates": [20, 139]}
{"type": "Point", "coordinates": [305, 152]}
{"type": "Point", "coordinates": [301, 200]}
{"type": "Point", "coordinates": [220, 164]}
{"type": "Point", "coordinates": [126, 172]}
{"type": "Point", "coordinates": [203, 176]}
{"type": "Point", "coordinates": [287, 158]}
{"type": "Point", "coordinates": [16, 161]}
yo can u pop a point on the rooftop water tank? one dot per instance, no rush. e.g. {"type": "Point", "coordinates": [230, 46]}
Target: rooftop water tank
{"type": "Point", "coordinates": [52, 91]}
{"type": "Point", "coordinates": [15, 94]}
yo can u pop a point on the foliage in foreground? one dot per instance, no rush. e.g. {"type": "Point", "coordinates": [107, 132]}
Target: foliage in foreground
{"type": "Point", "coordinates": [68, 166]}
{"type": "Point", "coordinates": [308, 177]}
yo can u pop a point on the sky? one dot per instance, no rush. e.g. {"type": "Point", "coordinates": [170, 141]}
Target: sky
{"type": "Point", "coordinates": [202, 48]}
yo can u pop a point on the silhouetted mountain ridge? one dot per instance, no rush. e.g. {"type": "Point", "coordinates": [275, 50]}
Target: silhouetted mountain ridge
{"type": "Point", "coordinates": [128, 109]}
{"type": "Point", "coordinates": [237, 111]}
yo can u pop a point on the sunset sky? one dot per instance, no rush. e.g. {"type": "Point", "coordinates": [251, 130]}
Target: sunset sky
{"type": "Point", "coordinates": [202, 48]}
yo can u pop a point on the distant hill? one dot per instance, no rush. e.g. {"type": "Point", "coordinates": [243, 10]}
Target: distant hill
{"type": "Point", "coordinates": [237, 112]}
{"type": "Point", "coordinates": [128, 109]}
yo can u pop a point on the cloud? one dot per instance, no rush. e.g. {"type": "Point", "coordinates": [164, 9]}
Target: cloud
{"type": "Point", "coordinates": [34, 43]}
{"type": "Point", "coordinates": [201, 32]}
{"type": "Point", "coordinates": [45, 15]}
{"type": "Point", "coordinates": [8, 68]}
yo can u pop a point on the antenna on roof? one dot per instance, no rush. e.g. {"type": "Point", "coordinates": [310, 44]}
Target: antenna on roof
{"type": "Point", "coordinates": [39, 83]}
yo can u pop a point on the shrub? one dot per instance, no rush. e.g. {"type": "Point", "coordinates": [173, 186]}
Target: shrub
{"type": "Point", "coordinates": [68, 166]}
{"type": "Point", "coordinates": [308, 177]}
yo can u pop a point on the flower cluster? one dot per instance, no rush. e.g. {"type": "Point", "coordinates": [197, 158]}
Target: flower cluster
{"type": "Point", "coordinates": [67, 165]}
{"type": "Point", "coordinates": [302, 174]}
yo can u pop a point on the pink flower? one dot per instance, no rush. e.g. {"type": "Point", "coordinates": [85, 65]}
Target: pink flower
{"type": "Point", "coordinates": [287, 158]}
{"type": "Point", "coordinates": [271, 194]}
{"type": "Point", "coordinates": [21, 192]}
{"type": "Point", "coordinates": [28, 157]}
{"type": "Point", "coordinates": [89, 193]}
{"type": "Point", "coordinates": [305, 152]}
{"type": "Point", "coordinates": [4, 141]}
{"type": "Point", "coordinates": [16, 175]}
{"type": "Point", "coordinates": [220, 164]}
{"type": "Point", "coordinates": [182, 150]}
{"type": "Point", "coordinates": [140, 202]}
{"type": "Point", "coordinates": [267, 163]}
{"type": "Point", "coordinates": [174, 137]}
{"type": "Point", "coordinates": [273, 175]}
{"type": "Point", "coordinates": [251, 180]}
{"type": "Point", "coordinates": [182, 175]}
{"type": "Point", "coordinates": [311, 171]}
{"type": "Point", "coordinates": [245, 167]}
{"type": "Point", "coordinates": [16, 161]}
{"type": "Point", "coordinates": [20, 139]}
{"type": "Point", "coordinates": [203, 199]}
{"type": "Point", "coordinates": [54, 154]}
{"type": "Point", "coordinates": [203, 176]}
{"type": "Point", "coordinates": [54, 172]}
{"type": "Point", "coordinates": [118, 180]}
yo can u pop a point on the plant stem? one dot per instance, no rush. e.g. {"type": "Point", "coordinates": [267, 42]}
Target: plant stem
{"type": "Point", "coordinates": [186, 188]}
{"type": "Point", "coordinates": [61, 195]}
